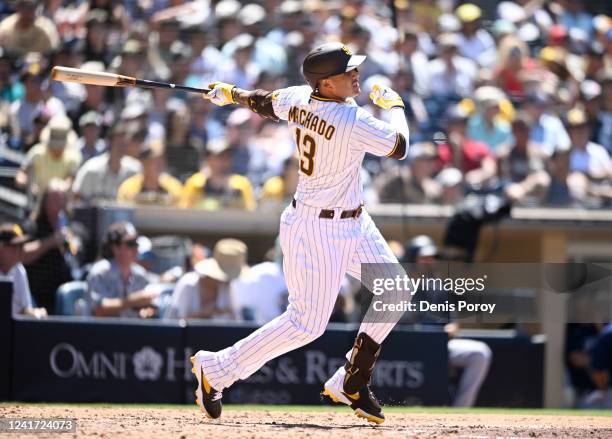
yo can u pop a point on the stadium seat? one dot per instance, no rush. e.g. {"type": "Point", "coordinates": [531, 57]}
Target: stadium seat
{"type": "Point", "coordinates": [67, 296]}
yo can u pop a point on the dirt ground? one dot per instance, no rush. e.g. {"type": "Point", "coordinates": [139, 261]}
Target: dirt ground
{"type": "Point", "coordinates": [157, 423]}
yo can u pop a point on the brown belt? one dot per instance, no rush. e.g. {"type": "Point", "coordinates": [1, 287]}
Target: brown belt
{"type": "Point", "coordinates": [330, 213]}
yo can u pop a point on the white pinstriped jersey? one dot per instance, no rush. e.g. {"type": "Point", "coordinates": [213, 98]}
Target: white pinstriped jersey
{"type": "Point", "coordinates": [332, 138]}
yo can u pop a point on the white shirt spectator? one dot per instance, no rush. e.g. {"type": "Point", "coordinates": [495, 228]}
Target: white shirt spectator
{"type": "Point", "coordinates": [205, 66]}
{"type": "Point", "coordinates": [416, 62]}
{"type": "Point", "coordinates": [262, 291]}
{"type": "Point", "coordinates": [24, 112]}
{"type": "Point", "coordinates": [186, 299]}
{"type": "Point", "coordinates": [594, 160]}
{"type": "Point", "coordinates": [230, 73]}
{"type": "Point", "coordinates": [549, 133]}
{"type": "Point", "coordinates": [479, 48]}
{"type": "Point", "coordinates": [22, 297]}
{"type": "Point", "coordinates": [95, 180]}
{"type": "Point", "coordinates": [460, 81]}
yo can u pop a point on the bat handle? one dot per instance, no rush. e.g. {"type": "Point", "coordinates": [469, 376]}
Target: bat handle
{"type": "Point", "coordinates": [145, 83]}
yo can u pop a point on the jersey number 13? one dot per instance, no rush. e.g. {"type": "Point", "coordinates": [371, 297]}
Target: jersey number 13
{"type": "Point", "coordinates": [307, 148]}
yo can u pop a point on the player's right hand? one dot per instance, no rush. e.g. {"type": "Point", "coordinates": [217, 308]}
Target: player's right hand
{"type": "Point", "coordinates": [385, 97]}
{"type": "Point", "coordinates": [220, 93]}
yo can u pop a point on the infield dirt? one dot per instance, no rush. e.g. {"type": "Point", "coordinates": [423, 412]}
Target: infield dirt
{"type": "Point", "coordinates": [157, 423]}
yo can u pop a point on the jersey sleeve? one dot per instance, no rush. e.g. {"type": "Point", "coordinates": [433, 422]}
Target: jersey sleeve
{"type": "Point", "coordinates": [373, 135]}
{"type": "Point", "coordinates": [283, 99]}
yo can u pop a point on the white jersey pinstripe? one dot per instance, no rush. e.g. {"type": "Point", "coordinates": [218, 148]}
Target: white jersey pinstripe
{"type": "Point", "coordinates": [342, 134]}
{"type": "Point", "coordinates": [317, 252]}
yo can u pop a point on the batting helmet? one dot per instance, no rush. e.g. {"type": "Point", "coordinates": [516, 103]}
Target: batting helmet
{"type": "Point", "coordinates": [328, 60]}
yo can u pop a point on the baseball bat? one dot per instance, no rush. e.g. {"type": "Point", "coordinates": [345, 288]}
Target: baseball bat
{"type": "Point", "coordinates": [68, 74]}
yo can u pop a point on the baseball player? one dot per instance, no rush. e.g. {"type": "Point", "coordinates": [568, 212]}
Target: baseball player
{"type": "Point", "coordinates": [324, 232]}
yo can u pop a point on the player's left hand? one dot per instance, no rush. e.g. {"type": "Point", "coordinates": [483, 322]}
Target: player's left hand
{"type": "Point", "coordinates": [220, 93]}
{"type": "Point", "coordinates": [385, 97]}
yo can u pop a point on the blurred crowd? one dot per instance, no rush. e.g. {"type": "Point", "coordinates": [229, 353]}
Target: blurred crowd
{"type": "Point", "coordinates": [511, 97]}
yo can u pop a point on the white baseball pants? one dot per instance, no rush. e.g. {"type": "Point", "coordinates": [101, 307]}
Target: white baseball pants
{"type": "Point", "coordinates": [317, 253]}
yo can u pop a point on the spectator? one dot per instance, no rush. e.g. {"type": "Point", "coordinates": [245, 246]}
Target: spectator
{"type": "Point", "coordinates": [472, 158]}
{"type": "Point", "coordinates": [180, 60]}
{"type": "Point", "coordinates": [415, 184]}
{"type": "Point", "coordinates": [12, 240]}
{"type": "Point", "coordinates": [116, 284]}
{"type": "Point", "coordinates": [203, 126]}
{"type": "Point", "coordinates": [601, 371]}
{"type": "Point", "coordinates": [451, 185]}
{"type": "Point", "coordinates": [451, 75]}
{"type": "Point", "coordinates": [547, 132]}
{"type": "Point", "coordinates": [605, 116]}
{"type": "Point", "coordinates": [247, 158]}
{"type": "Point", "coordinates": [590, 96]}
{"type": "Point", "coordinates": [579, 341]}
{"type": "Point", "coordinates": [25, 32]}
{"type": "Point", "coordinates": [34, 101]}
{"type": "Point", "coordinates": [511, 60]}
{"type": "Point", "coordinates": [136, 137]}
{"type": "Point", "coordinates": [411, 58]}
{"type": "Point", "coordinates": [71, 94]}
{"type": "Point", "coordinates": [44, 257]}
{"type": "Point", "coordinates": [260, 293]}
{"type": "Point", "coordinates": [10, 90]}
{"type": "Point", "coordinates": [486, 126]}
{"type": "Point", "coordinates": [215, 186]}
{"type": "Point", "coordinates": [55, 156]}
{"type": "Point", "coordinates": [475, 42]}
{"type": "Point", "coordinates": [90, 144]}
{"type": "Point", "coordinates": [575, 17]}
{"type": "Point", "coordinates": [471, 358]}
{"type": "Point", "coordinates": [239, 68]}
{"type": "Point", "coordinates": [586, 157]}
{"type": "Point", "coordinates": [97, 28]}
{"type": "Point", "coordinates": [206, 57]}
{"type": "Point", "coordinates": [95, 98]}
{"type": "Point", "coordinates": [269, 55]}
{"type": "Point", "coordinates": [183, 156]}
{"type": "Point", "coordinates": [204, 293]}
{"type": "Point", "coordinates": [160, 41]}
{"type": "Point", "coordinates": [559, 190]}
{"type": "Point", "coordinates": [100, 177]}
{"type": "Point", "coordinates": [41, 120]}
{"type": "Point", "coordinates": [279, 190]}
{"type": "Point", "coordinates": [153, 185]}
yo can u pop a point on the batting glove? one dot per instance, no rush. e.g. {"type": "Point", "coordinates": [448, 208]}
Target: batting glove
{"type": "Point", "coordinates": [385, 98]}
{"type": "Point", "coordinates": [220, 94]}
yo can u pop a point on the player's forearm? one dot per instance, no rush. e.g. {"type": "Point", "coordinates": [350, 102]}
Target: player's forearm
{"type": "Point", "coordinates": [398, 121]}
{"type": "Point", "coordinates": [241, 96]}
{"type": "Point", "coordinates": [259, 101]}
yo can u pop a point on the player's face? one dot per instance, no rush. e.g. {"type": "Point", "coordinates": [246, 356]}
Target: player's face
{"type": "Point", "coordinates": [344, 85]}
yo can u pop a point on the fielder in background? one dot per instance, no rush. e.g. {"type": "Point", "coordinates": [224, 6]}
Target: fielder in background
{"type": "Point", "coordinates": [325, 231]}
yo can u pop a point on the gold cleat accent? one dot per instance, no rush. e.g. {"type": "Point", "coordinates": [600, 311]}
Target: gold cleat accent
{"type": "Point", "coordinates": [361, 414]}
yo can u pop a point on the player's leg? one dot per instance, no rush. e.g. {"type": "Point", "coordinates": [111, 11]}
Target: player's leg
{"type": "Point", "coordinates": [350, 383]}
{"type": "Point", "coordinates": [373, 249]}
{"type": "Point", "coordinates": [316, 253]}
{"type": "Point", "coordinates": [474, 359]}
